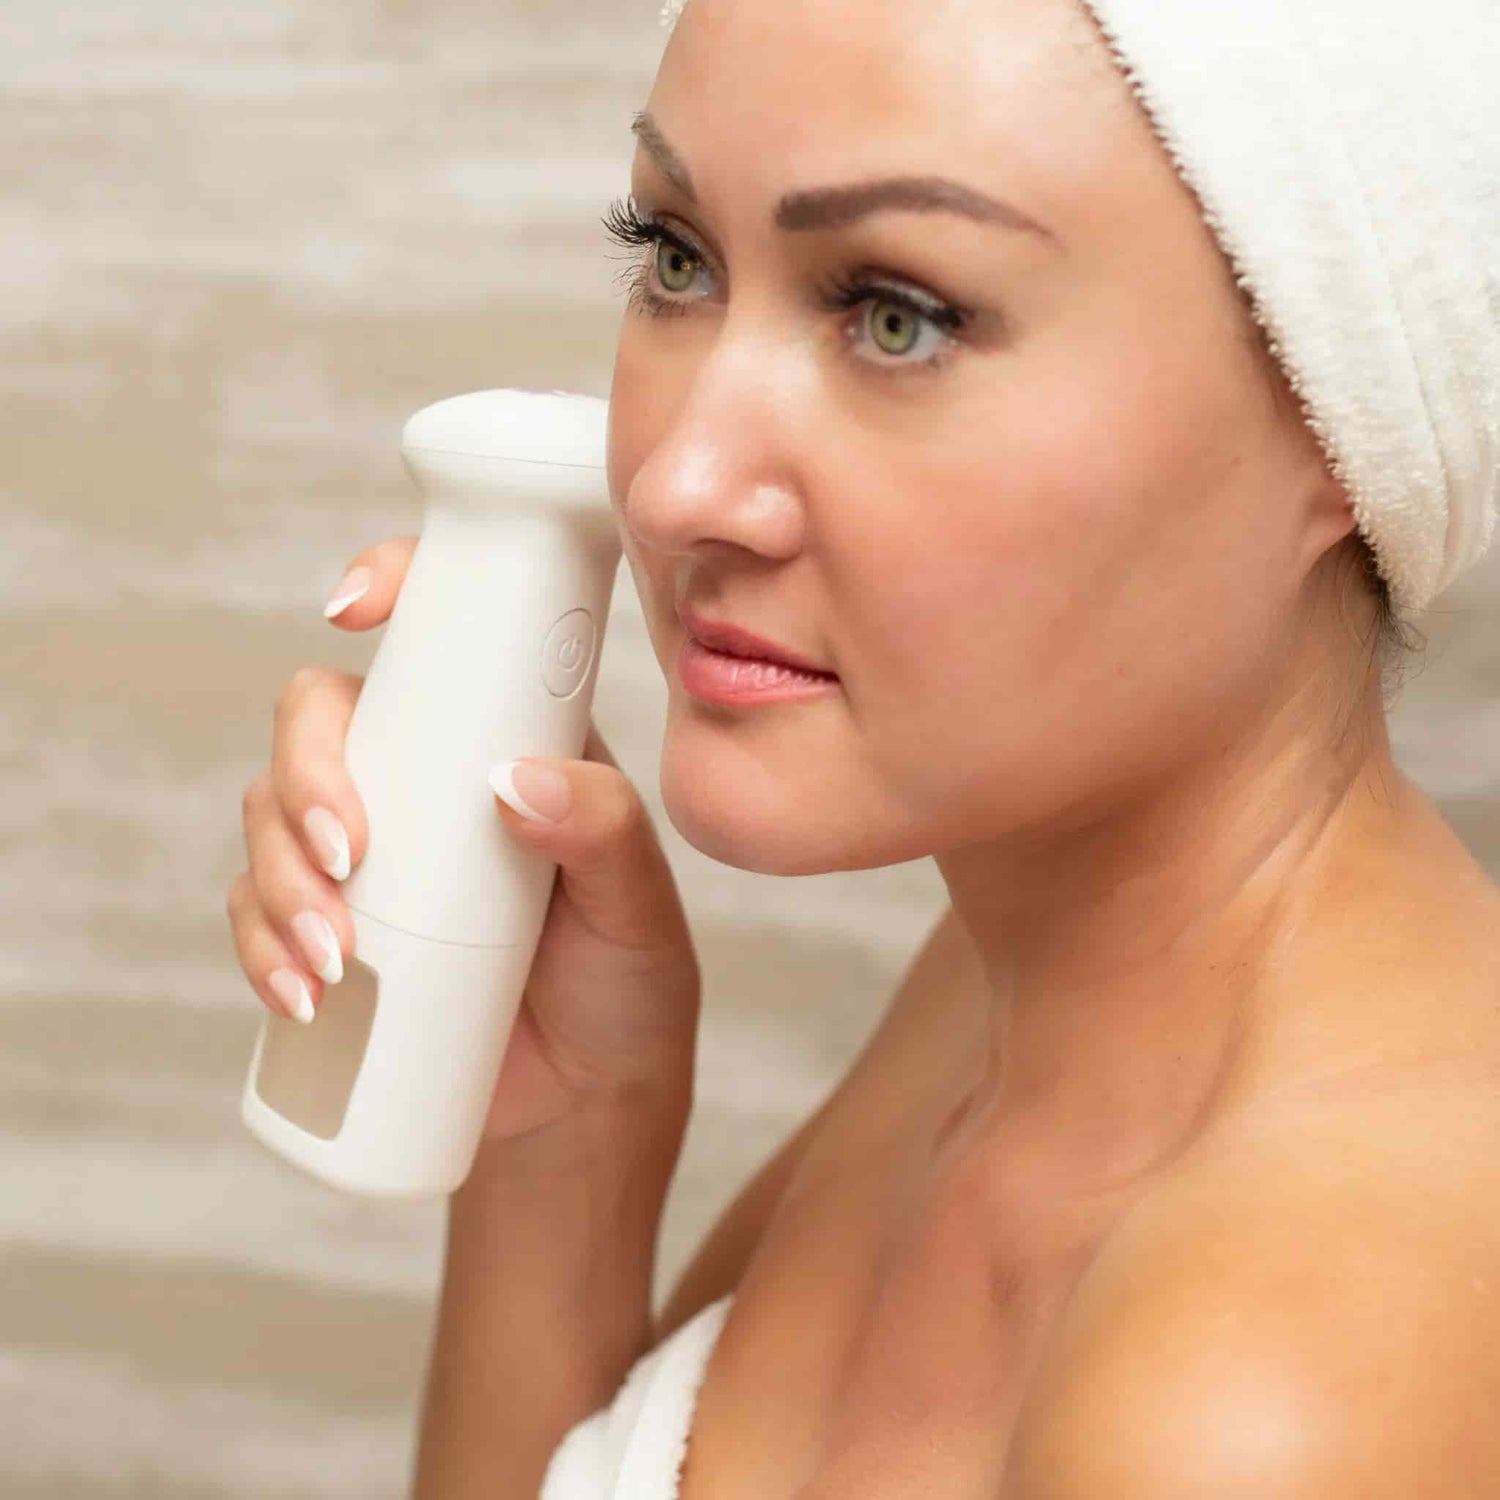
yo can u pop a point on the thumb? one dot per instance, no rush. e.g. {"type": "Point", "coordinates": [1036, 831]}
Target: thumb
{"type": "Point", "coordinates": [589, 817]}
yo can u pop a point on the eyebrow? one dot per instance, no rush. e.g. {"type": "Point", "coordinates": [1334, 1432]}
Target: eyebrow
{"type": "Point", "coordinates": [836, 207]}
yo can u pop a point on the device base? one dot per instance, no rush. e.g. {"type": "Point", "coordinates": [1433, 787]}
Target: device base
{"type": "Point", "coordinates": [386, 1091]}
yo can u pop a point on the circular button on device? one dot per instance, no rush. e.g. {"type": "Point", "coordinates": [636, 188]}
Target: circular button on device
{"type": "Point", "coordinates": [567, 652]}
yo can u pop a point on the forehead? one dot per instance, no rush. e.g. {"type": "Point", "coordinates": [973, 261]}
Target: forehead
{"type": "Point", "coordinates": [1016, 96]}
{"type": "Point", "coordinates": [1019, 94]}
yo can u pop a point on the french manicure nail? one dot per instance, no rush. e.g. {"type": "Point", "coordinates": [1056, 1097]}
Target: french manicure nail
{"type": "Point", "coordinates": [329, 841]}
{"type": "Point", "coordinates": [321, 945]}
{"type": "Point", "coordinates": [536, 792]}
{"type": "Point", "coordinates": [290, 988]}
{"type": "Point", "coordinates": [355, 584]}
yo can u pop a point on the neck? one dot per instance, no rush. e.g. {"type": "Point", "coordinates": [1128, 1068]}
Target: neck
{"type": "Point", "coordinates": [1132, 961]}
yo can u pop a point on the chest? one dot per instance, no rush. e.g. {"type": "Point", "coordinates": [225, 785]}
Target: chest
{"type": "Point", "coordinates": [881, 1338]}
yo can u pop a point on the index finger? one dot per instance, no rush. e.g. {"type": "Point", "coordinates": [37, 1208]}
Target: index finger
{"type": "Point", "coordinates": [308, 770]}
{"type": "Point", "coordinates": [366, 594]}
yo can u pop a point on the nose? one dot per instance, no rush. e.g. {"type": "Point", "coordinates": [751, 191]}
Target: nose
{"type": "Point", "coordinates": [720, 470]}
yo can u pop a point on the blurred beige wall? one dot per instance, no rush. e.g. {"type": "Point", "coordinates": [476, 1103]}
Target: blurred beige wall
{"type": "Point", "coordinates": [239, 245]}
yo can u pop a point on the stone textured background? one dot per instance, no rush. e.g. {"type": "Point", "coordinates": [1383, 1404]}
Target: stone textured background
{"type": "Point", "coordinates": [239, 245]}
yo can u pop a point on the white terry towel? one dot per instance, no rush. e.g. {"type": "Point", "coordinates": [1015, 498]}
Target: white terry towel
{"type": "Point", "coordinates": [633, 1448]}
{"type": "Point", "coordinates": [1346, 156]}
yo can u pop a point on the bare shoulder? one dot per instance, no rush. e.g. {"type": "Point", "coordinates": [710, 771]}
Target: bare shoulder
{"type": "Point", "coordinates": [1311, 1308]}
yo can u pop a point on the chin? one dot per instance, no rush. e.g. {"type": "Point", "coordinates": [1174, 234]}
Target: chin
{"type": "Point", "coordinates": [750, 821]}
{"type": "Point", "coordinates": [726, 827]}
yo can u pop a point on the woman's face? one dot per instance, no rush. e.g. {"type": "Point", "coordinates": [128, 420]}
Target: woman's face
{"type": "Point", "coordinates": [1049, 553]}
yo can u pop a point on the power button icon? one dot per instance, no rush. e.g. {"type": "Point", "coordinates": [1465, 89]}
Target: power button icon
{"type": "Point", "coordinates": [568, 652]}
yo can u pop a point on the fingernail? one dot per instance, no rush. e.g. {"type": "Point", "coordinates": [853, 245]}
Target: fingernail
{"type": "Point", "coordinates": [536, 792]}
{"type": "Point", "coordinates": [355, 584]}
{"type": "Point", "coordinates": [329, 840]}
{"type": "Point", "coordinates": [321, 945]}
{"type": "Point", "coordinates": [290, 988]}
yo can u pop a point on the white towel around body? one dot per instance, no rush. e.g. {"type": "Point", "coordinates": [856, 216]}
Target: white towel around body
{"type": "Point", "coordinates": [633, 1448]}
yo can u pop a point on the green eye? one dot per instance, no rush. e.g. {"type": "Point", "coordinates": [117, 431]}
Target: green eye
{"type": "Point", "coordinates": [891, 320]}
{"type": "Point", "coordinates": [672, 262]}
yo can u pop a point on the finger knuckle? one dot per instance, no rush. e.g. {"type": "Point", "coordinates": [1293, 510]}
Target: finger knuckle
{"type": "Point", "coordinates": [626, 812]}
{"type": "Point", "coordinates": [254, 798]}
{"type": "Point", "coordinates": [295, 690]}
{"type": "Point", "coordinates": [299, 791]}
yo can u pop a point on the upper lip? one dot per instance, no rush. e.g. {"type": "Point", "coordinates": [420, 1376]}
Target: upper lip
{"type": "Point", "coordinates": [720, 635]}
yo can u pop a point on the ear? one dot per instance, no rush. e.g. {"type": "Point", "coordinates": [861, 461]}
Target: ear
{"type": "Point", "coordinates": [1328, 515]}
{"type": "Point", "coordinates": [1326, 508]}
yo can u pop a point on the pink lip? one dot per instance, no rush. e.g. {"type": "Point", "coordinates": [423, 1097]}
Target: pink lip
{"type": "Point", "coordinates": [730, 640]}
{"type": "Point", "coordinates": [738, 681]}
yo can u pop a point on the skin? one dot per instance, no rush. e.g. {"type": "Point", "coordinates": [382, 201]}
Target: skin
{"type": "Point", "coordinates": [1081, 585]}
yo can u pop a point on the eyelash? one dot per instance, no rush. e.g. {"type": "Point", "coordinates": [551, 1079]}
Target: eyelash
{"type": "Point", "coordinates": [627, 226]}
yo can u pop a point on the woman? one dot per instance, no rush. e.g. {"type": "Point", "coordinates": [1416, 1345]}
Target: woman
{"type": "Point", "coordinates": [1171, 1169]}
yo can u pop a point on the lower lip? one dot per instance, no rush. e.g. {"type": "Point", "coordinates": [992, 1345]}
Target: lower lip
{"type": "Point", "coordinates": [717, 678]}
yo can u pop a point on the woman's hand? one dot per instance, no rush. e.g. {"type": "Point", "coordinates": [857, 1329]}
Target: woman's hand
{"type": "Point", "coordinates": [610, 1011]}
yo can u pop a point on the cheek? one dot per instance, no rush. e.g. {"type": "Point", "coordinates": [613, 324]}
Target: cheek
{"type": "Point", "coordinates": [637, 417]}
{"type": "Point", "coordinates": [631, 415]}
{"type": "Point", "coordinates": [1145, 509]}
{"type": "Point", "coordinates": [971, 570]}
{"type": "Point", "coordinates": [1084, 591]}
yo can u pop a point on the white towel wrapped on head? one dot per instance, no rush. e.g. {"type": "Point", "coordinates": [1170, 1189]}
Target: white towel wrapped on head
{"type": "Point", "coordinates": [1346, 154]}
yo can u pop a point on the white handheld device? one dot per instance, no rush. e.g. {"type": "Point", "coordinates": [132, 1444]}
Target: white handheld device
{"type": "Point", "coordinates": [490, 653]}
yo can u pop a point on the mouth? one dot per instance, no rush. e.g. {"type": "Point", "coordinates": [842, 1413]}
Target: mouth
{"type": "Point", "coordinates": [732, 640]}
